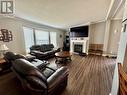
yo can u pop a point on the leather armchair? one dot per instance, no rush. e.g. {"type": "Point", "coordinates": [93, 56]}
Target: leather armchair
{"type": "Point", "coordinates": [44, 81]}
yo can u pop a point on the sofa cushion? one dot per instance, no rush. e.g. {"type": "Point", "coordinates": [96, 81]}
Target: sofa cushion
{"type": "Point", "coordinates": [51, 46]}
{"type": "Point", "coordinates": [35, 47]}
{"type": "Point", "coordinates": [40, 64]}
{"type": "Point", "coordinates": [46, 47]}
{"type": "Point", "coordinates": [47, 72]}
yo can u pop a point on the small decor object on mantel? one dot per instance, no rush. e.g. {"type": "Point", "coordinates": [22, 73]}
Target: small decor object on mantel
{"type": "Point", "coordinates": [5, 35]}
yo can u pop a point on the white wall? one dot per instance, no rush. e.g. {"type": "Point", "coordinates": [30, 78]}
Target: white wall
{"type": "Point", "coordinates": [99, 35]}
{"type": "Point", "coordinates": [114, 36]}
{"type": "Point", "coordinates": [106, 36]}
{"type": "Point", "coordinates": [115, 83]}
{"type": "Point", "coordinates": [15, 25]}
{"type": "Point", "coordinates": [122, 46]}
{"type": "Point", "coordinates": [121, 54]}
{"type": "Point", "coordinates": [97, 32]}
{"type": "Point", "coordinates": [120, 59]}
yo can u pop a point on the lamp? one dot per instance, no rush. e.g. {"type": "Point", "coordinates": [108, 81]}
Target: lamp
{"type": "Point", "coordinates": [3, 48]}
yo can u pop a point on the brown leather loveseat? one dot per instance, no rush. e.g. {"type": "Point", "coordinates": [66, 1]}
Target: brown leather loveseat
{"type": "Point", "coordinates": [44, 51]}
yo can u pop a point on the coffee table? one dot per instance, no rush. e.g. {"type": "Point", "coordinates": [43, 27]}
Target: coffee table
{"type": "Point", "coordinates": [63, 56]}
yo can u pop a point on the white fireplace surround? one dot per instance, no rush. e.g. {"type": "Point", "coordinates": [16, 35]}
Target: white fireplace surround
{"type": "Point", "coordinates": [81, 41]}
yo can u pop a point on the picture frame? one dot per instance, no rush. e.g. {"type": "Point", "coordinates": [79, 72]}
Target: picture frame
{"type": "Point", "coordinates": [6, 35]}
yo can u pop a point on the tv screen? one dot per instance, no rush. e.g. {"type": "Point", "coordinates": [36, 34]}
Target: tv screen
{"type": "Point", "coordinates": [81, 31]}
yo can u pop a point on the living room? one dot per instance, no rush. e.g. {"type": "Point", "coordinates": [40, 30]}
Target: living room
{"type": "Point", "coordinates": [62, 47]}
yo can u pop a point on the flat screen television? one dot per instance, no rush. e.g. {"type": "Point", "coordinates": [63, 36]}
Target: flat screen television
{"type": "Point", "coordinates": [81, 31]}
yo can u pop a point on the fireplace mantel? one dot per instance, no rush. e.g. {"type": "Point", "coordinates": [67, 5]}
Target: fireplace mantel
{"type": "Point", "coordinates": [80, 40]}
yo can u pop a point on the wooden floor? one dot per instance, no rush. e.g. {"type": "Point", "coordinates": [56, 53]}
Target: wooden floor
{"type": "Point", "coordinates": [91, 75]}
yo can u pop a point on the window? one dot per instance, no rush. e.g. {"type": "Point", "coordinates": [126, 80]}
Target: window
{"type": "Point", "coordinates": [42, 37]}
{"type": "Point", "coordinates": [29, 38]}
{"type": "Point", "coordinates": [38, 37]}
{"type": "Point", "coordinates": [53, 38]}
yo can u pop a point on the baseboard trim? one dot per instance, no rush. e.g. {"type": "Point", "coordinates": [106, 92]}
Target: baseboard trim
{"type": "Point", "coordinates": [109, 55]}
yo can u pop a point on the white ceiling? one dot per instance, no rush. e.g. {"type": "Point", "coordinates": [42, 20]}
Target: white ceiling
{"type": "Point", "coordinates": [62, 13]}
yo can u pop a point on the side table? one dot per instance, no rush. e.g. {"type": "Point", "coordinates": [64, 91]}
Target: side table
{"type": "Point", "coordinates": [4, 65]}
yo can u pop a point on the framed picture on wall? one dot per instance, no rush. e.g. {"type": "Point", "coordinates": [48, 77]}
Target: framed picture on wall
{"type": "Point", "coordinates": [5, 35]}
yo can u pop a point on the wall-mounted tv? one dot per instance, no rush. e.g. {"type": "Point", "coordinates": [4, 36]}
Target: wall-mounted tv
{"type": "Point", "coordinates": [81, 31]}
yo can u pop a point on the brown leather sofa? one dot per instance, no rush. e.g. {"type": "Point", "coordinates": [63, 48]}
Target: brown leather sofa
{"type": "Point", "coordinates": [48, 80]}
{"type": "Point", "coordinates": [44, 51]}
{"type": "Point", "coordinates": [10, 56]}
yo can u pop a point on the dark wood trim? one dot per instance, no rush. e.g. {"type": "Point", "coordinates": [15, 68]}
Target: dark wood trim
{"type": "Point", "coordinates": [122, 80]}
{"type": "Point", "coordinates": [124, 20]}
{"type": "Point", "coordinates": [34, 36]}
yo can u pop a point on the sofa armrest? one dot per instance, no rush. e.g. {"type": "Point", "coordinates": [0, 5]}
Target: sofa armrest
{"type": "Point", "coordinates": [36, 82]}
{"type": "Point", "coordinates": [27, 57]}
{"type": "Point", "coordinates": [57, 77]}
{"type": "Point", "coordinates": [37, 53]}
{"type": "Point", "coordinates": [30, 57]}
{"type": "Point", "coordinates": [56, 49]}
{"type": "Point", "coordinates": [27, 87]}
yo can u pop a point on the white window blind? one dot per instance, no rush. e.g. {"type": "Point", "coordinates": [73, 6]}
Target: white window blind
{"type": "Point", "coordinates": [53, 40]}
{"type": "Point", "coordinates": [29, 38]}
{"type": "Point", "coordinates": [42, 37]}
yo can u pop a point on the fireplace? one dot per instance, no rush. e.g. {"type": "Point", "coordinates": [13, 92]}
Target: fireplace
{"type": "Point", "coordinates": [79, 45]}
{"type": "Point", "coordinates": [78, 48]}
